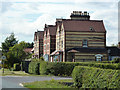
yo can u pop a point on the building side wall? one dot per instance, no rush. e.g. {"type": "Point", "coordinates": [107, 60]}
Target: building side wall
{"type": "Point", "coordinates": [75, 39]}
{"type": "Point", "coordinates": [52, 43]}
{"type": "Point", "coordinates": [84, 57]}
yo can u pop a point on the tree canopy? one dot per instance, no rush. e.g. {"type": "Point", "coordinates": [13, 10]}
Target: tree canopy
{"type": "Point", "coordinates": [9, 42]}
{"type": "Point", "coordinates": [14, 51]}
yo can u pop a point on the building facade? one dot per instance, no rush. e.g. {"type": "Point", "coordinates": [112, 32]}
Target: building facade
{"type": "Point", "coordinates": [80, 39]}
{"type": "Point", "coordinates": [38, 44]}
{"type": "Point", "coordinates": [49, 41]}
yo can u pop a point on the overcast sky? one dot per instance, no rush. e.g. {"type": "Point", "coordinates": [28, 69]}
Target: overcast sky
{"type": "Point", "coordinates": [24, 17]}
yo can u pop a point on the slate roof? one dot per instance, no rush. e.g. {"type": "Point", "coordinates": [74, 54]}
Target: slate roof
{"type": "Point", "coordinates": [51, 28]}
{"type": "Point", "coordinates": [38, 34]}
{"type": "Point", "coordinates": [114, 51]}
{"type": "Point", "coordinates": [88, 50]}
{"type": "Point", "coordinates": [28, 50]}
{"type": "Point", "coordinates": [83, 25]}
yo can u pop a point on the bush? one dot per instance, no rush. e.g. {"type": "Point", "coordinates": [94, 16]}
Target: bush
{"type": "Point", "coordinates": [43, 68]}
{"type": "Point", "coordinates": [34, 68]}
{"type": "Point", "coordinates": [25, 66]}
{"type": "Point", "coordinates": [91, 77]}
{"type": "Point", "coordinates": [16, 67]}
{"type": "Point", "coordinates": [66, 68]}
{"type": "Point", "coordinates": [116, 60]}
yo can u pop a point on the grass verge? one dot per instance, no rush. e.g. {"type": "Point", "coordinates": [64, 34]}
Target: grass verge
{"type": "Point", "coordinates": [7, 72]}
{"type": "Point", "coordinates": [67, 83]}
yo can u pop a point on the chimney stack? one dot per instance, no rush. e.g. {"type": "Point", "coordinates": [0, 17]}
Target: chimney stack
{"type": "Point", "coordinates": [78, 15]}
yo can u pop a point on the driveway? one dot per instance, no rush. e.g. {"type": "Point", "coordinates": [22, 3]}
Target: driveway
{"type": "Point", "coordinates": [14, 81]}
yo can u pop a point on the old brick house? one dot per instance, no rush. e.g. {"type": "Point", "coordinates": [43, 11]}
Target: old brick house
{"type": "Point", "coordinates": [49, 41]}
{"type": "Point", "coordinates": [80, 39]}
{"type": "Point", "coordinates": [38, 44]}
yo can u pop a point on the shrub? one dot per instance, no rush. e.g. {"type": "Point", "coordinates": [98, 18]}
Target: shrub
{"type": "Point", "coordinates": [116, 60]}
{"type": "Point", "coordinates": [43, 68]}
{"type": "Point", "coordinates": [25, 66]}
{"type": "Point", "coordinates": [91, 77]}
{"type": "Point", "coordinates": [66, 68]}
{"type": "Point", "coordinates": [41, 58]}
{"type": "Point", "coordinates": [34, 68]}
{"type": "Point", "coordinates": [16, 67]}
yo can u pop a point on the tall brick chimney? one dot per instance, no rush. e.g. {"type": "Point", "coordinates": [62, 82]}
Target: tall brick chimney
{"type": "Point", "coordinates": [78, 15]}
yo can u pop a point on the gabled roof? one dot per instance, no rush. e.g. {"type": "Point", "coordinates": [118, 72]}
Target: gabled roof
{"type": "Point", "coordinates": [38, 35]}
{"type": "Point", "coordinates": [83, 25]}
{"type": "Point", "coordinates": [28, 50]}
{"type": "Point", "coordinates": [51, 28]}
{"type": "Point", "coordinates": [114, 51]}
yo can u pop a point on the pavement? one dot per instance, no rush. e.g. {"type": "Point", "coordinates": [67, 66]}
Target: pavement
{"type": "Point", "coordinates": [15, 82]}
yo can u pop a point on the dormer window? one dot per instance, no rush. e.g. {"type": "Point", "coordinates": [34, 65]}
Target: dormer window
{"type": "Point", "coordinates": [85, 43]}
{"type": "Point", "coordinates": [91, 29]}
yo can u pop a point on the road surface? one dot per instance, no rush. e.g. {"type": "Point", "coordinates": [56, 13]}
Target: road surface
{"type": "Point", "coordinates": [13, 82]}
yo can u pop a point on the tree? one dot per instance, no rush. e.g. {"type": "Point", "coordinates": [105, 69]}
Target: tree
{"type": "Point", "coordinates": [30, 45]}
{"type": "Point", "coordinates": [9, 42]}
{"type": "Point", "coordinates": [16, 53]}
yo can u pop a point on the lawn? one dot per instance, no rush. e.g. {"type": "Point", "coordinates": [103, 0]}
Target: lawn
{"type": "Point", "coordinates": [50, 84]}
{"type": "Point", "coordinates": [7, 72]}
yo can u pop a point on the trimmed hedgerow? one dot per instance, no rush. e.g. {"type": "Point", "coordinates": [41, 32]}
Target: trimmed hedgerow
{"type": "Point", "coordinates": [34, 68]}
{"type": "Point", "coordinates": [66, 68]}
{"type": "Point", "coordinates": [43, 68]}
{"type": "Point", "coordinates": [25, 66]}
{"type": "Point", "coordinates": [91, 77]}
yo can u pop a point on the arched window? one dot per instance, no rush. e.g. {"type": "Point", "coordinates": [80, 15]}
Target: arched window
{"type": "Point", "coordinates": [85, 43]}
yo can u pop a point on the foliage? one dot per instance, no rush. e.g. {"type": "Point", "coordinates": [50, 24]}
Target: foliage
{"type": "Point", "coordinates": [66, 68]}
{"type": "Point", "coordinates": [34, 68]}
{"type": "Point", "coordinates": [42, 59]}
{"type": "Point", "coordinates": [91, 77]}
{"type": "Point", "coordinates": [43, 68]}
{"type": "Point", "coordinates": [16, 53]}
{"type": "Point", "coordinates": [16, 67]}
{"type": "Point", "coordinates": [116, 60]}
{"type": "Point", "coordinates": [9, 42]}
{"type": "Point", "coordinates": [25, 66]}
{"type": "Point", "coordinates": [30, 45]}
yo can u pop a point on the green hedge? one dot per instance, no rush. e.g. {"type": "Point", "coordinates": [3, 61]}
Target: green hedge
{"type": "Point", "coordinates": [25, 66]}
{"type": "Point", "coordinates": [16, 67]}
{"type": "Point", "coordinates": [66, 68]}
{"type": "Point", "coordinates": [57, 68]}
{"type": "Point", "coordinates": [34, 68]}
{"type": "Point", "coordinates": [91, 77]}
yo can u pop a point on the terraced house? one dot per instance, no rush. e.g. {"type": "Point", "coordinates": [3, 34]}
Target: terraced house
{"type": "Point", "coordinates": [38, 44]}
{"type": "Point", "coordinates": [49, 41]}
{"type": "Point", "coordinates": [80, 39]}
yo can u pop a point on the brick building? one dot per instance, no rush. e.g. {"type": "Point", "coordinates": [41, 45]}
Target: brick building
{"type": "Point", "coordinates": [38, 44]}
{"type": "Point", "coordinates": [49, 41]}
{"type": "Point", "coordinates": [80, 39]}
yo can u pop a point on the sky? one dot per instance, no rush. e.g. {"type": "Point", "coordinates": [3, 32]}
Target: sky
{"type": "Point", "coordinates": [24, 17]}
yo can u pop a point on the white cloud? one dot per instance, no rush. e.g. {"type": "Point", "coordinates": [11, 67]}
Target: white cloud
{"type": "Point", "coordinates": [17, 18]}
{"type": "Point", "coordinates": [76, 1]}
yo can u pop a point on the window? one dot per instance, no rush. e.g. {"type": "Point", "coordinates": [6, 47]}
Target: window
{"type": "Point", "coordinates": [85, 43]}
{"type": "Point", "coordinates": [91, 28]}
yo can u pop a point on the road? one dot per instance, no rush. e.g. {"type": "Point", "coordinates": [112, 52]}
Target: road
{"type": "Point", "coordinates": [14, 81]}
